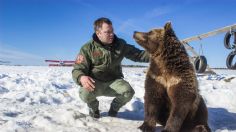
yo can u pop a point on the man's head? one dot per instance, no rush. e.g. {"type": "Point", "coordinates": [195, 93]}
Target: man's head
{"type": "Point", "coordinates": [104, 30]}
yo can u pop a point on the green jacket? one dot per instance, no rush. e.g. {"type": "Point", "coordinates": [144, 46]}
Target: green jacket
{"type": "Point", "coordinates": [103, 62]}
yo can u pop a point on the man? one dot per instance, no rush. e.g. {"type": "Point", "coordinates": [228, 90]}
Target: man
{"type": "Point", "coordinates": [98, 68]}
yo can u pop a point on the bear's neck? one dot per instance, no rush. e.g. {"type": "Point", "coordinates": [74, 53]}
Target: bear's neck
{"type": "Point", "coordinates": [173, 58]}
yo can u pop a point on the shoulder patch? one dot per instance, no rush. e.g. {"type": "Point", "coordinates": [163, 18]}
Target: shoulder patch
{"type": "Point", "coordinates": [79, 59]}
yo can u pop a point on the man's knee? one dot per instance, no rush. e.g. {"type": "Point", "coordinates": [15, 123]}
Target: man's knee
{"type": "Point", "coordinates": [129, 94]}
{"type": "Point", "coordinates": [123, 88]}
{"type": "Point", "coordinates": [128, 91]}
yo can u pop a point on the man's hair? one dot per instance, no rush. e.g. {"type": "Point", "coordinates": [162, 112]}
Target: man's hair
{"type": "Point", "coordinates": [98, 23]}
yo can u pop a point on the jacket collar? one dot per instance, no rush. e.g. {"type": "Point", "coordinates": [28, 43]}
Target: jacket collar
{"type": "Point", "coordinates": [108, 47]}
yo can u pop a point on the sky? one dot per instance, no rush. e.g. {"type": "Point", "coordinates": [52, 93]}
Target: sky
{"type": "Point", "coordinates": [34, 30]}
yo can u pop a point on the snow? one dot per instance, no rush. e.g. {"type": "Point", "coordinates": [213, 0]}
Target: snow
{"type": "Point", "coordinates": [40, 98]}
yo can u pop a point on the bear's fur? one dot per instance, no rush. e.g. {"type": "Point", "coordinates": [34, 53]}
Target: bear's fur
{"type": "Point", "coordinates": [172, 97]}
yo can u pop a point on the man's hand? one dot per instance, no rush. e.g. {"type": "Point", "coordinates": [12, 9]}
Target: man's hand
{"type": "Point", "coordinates": [87, 83]}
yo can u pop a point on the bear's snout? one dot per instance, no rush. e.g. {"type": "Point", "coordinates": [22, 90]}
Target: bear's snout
{"type": "Point", "coordinates": [134, 35]}
{"type": "Point", "coordinates": [140, 36]}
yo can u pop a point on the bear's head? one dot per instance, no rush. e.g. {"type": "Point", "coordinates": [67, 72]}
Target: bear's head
{"type": "Point", "coordinates": [154, 39]}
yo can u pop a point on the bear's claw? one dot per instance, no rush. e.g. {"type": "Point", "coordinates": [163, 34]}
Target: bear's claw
{"type": "Point", "coordinates": [146, 128]}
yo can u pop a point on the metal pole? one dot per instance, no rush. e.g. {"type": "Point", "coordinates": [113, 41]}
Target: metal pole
{"type": "Point", "coordinates": [212, 33]}
{"type": "Point", "coordinates": [235, 38]}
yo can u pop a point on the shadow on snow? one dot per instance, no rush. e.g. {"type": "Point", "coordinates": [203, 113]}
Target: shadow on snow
{"type": "Point", "coordinates": [220, 118]}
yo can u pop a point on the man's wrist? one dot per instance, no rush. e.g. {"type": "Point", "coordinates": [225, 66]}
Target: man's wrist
{"type": "Point", "coordinates": [78, 79]}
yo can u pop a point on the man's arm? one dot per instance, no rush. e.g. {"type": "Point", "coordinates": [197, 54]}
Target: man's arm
{"type": "Point", "coordinates": [82, 65]}
{"type": "Point", "coordinates": [81, 70]}
{"type": "Point", "coordinates": [136, 54]}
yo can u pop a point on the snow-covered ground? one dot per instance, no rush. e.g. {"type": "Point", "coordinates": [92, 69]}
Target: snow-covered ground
{"type": "Point", "coordinates": [34, 98]}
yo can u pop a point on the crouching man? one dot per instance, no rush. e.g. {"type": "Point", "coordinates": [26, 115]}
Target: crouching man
{"type": "Point", "coordinates": [98, 68]}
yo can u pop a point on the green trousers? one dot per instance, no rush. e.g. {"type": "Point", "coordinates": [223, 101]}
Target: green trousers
{"type": "Point", "coordinates": [119, 88]}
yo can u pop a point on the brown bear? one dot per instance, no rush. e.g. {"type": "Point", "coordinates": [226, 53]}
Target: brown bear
{"type": "Point", "coordinates": [171, 97]}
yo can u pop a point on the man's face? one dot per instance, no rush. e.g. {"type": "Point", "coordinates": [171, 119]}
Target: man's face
{"type": "Point", "coordinates": [105, 33]}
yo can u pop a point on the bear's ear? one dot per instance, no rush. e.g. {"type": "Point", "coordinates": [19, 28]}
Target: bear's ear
{"type": "Point", "coordinates": [168, 26]}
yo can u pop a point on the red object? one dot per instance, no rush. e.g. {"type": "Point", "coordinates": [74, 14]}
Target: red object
{"type": "Point", "coordinates": [60, 63]}
{"type": "Point", "coordinates": [68, 61]}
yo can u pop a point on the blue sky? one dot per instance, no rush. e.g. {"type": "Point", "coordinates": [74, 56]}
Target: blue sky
{"type": "Point", "coordinates": [34, 30]}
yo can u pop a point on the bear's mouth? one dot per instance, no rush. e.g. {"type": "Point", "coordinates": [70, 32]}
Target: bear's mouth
{"type": "Point", "coordinates": [140, 37]}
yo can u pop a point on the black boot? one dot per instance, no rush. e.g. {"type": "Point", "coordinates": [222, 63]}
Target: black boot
{"type": "Point", "coordinates": [94, 114]}
{"type": "Point", "coordinates": [112, 112]}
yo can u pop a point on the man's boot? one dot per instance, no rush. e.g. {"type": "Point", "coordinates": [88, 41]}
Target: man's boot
{"type": "Point", "coordinates": [93, 109]}
{"type": "Point", "coordinates": [112, 112]}
{"type": "Point", "coordinates": [94, 114]}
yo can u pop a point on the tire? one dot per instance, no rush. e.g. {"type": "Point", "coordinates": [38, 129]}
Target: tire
{"type": "Point", "coordinates": [229, 60]}
{"type": "Point", "coordinates": [200, 64]}
{"type": "Point", "coordinates": [227, 40]}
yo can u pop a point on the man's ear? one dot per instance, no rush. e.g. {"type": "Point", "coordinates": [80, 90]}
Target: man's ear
{"type": "Point", "coordinates": [96, 32]}
{"type": "Point", "coordinates": [168, 26]}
